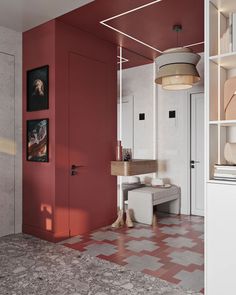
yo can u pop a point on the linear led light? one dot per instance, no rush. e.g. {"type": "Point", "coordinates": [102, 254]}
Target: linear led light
{"type": "Point", "coordinates": [104, 23]}
{"type": "Point", "coordinates": [122, 59]}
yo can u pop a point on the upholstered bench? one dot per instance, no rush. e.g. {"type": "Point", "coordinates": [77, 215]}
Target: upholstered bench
{"type": "Point", "coordinates": [142, 201]}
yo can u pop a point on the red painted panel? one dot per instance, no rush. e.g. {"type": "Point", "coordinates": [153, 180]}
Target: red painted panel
{"type": "Point", "coordinates": [91, 147]}
{"type": "Point", "coordinates": [68, 40]}
{"type": "Point", "coordinates": [39, 178]}
{"type": "Point", "coordinates": [46, 203]}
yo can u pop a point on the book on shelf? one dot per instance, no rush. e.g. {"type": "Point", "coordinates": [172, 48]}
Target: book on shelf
{"type": "Point", "coordinates": [224, 172]}
{"type": "Point", "coordinates": [224, 178]}
{"type": "Point", "coordinates": [228, 38]}
{"type": "Point", "coordinates": [233, 31]}
{"type": "Point", "coordinates": [225, 167]}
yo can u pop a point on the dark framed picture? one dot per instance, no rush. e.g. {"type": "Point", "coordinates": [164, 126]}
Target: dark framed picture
{"type": "Point", "coordinates": [37, 140]}
{"type": "Point", "coordinates": [38, 89]}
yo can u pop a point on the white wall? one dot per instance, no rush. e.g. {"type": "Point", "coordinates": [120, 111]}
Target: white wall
{"type": "Point", "coordinates": [173, 137]}
{"type": "Point", "coordinates": [138, 82]}
{"type": "Point", "coordinates": [11, 45]}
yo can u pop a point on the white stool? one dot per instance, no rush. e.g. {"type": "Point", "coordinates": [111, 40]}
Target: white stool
{"type": "Point", "coordinates": [142, 200]}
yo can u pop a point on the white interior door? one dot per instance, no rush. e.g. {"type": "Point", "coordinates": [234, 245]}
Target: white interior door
{"type": "Point", "coordinates": [197, 154]}
{"type": "Point", "coordinates": [7, 145]}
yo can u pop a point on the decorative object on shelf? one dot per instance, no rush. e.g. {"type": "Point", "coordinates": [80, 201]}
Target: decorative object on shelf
{"type": "Point", "coordinates": [226, 38]}
{"type": "Point", "coordinates": [37, 140]}
{"type": "Point", "coordinates": [230, 99]}
{"type": "Point", "coordinates": [133, 179]}
{"type": "Point", "coordinates": [230, 153]}
{"type": "Point", "coordinates": [119, 151]}
{"type": "Point", "coordinates": [177, 67]}
{"type": "Point", "coordinates": [37, 89]}
{"type": "Point", "coordinates": [127, 154]}
{"type": "Point", "coordinates": [157, 182]}
{"type": "Point", "coordinates": [233, 26]}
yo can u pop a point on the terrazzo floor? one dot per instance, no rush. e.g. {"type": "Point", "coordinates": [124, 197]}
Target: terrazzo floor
{"type": "Point", "coordinates": [29, 266]}
{"type": "Point", "coordinates": [172, 251]}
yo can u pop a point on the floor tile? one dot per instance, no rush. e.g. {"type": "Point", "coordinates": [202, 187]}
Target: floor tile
{"type": "Point", "coordinates": [98, 249]}
{"type": "Point", "coordinates": [72, 240]}
{"type": "Point", "coordinates": [170, 221]}
{"type": "Point", "coordinates": [186, 258]}
{"type": "Point", "coordinates": [138, 246]}
{"type": "Point", "coordinates": [140, 233]}
{"type": "Point", "coordinates": [144, 262]}
{"type": "Point", "coordinates": [191, 280]}
{"type": "Point", "coordinates": [172, 250]}
{"type": "Point", "coordinates": [105, 236]}
{"type": "Point", "coordinates": [198, 227]}
{"type": "Point", "coordinates": [180, 242]}
{"type": "Point", "coordinates": [173, 230]}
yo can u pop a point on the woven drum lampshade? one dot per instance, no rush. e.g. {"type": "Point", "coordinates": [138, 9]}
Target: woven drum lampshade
{"type": "Point", "coordinates": [177, 69]}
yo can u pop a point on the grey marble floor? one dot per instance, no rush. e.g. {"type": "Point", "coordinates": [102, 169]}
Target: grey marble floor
{"type": "Point", "coordinates": [31, 266]}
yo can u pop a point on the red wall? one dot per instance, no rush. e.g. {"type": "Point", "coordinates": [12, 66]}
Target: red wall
{"type": "Point", "coordinates": [46, 185]}
{"type": "Point", "coordinates": [39, 178]}
{"type": "Point", "coordinates": [68, 40]}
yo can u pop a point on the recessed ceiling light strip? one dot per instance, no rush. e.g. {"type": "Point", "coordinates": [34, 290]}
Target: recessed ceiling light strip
{"type": "Point", "coordinates": [132, 10]}
{"type": "Point", "coordinates": [195, 44]}
{"type": "Point", "coordinates": [130, 37]}
{"type": "Point", "coordinates": [122, 59]}
{"type": "Point", "coordinates": [103, 22]}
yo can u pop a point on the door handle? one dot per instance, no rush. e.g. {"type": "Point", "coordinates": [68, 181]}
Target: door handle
{"type": "Point", "coordinates": [192, 163]}
{"type": "Point", "coordinates": [74, 169]}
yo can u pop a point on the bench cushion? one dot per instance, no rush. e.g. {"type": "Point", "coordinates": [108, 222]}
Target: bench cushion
{"type": "Point", "coordinates": [159, 193]}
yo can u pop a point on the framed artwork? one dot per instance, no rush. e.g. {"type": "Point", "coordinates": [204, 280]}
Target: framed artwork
{"type": "Point", "coordinates": [37, 89]}
{"type": "Point", "coordinates": [37, 140]}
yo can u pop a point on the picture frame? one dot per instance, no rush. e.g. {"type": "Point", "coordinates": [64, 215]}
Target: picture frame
{"type": "Point", "coordinates": [38, 89]}
{"type": "Point", "coordinates": [37, 140]}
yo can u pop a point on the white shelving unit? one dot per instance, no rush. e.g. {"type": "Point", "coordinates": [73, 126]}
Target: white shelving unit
{"type": "Point", "coordinates": [220, 63]}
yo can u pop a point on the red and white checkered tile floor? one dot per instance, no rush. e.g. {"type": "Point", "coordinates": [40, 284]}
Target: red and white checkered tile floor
{"type": "Point", "coordinates": [172, 250]}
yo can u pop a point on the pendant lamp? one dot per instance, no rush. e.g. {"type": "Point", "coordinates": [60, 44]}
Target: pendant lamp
{"type": "Point", "coordinates": [177, 67]}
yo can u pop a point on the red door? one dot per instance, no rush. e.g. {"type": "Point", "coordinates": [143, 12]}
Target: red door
{"type": "Point", "coordinates": [92, 132]}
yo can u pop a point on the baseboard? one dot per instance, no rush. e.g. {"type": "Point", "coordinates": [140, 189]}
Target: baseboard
{"type": "Point", "coordinates": [45, 235]}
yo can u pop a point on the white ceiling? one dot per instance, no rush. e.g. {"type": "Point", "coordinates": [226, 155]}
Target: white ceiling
{"type": "Point", "coordinates": [22, 15]}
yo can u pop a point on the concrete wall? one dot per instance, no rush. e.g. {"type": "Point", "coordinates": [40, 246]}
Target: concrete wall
{"type": "Point", "coordinates": [10, 131]}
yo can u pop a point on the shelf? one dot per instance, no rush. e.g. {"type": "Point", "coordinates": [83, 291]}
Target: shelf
{"type": "Point", "coordinates": [226, 60]}
{"type": "Point", "coordinates": [134, 167]}
{"type": "Point", "coordinates": [224, 123]}
{"type": "Point", "coordinates": [221, 182]}
{"type": "Point", "coordinates": [226, 7]}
